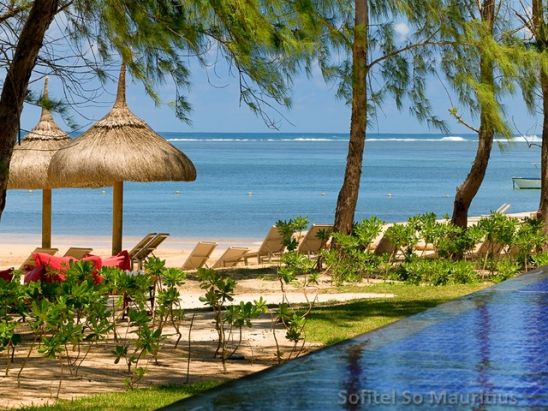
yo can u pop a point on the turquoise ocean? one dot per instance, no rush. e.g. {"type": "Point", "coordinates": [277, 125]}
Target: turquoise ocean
{"type": "Point", "coordinates": [247, 181]}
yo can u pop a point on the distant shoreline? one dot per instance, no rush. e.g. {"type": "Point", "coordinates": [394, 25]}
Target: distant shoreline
{"type": "Point", "coordinates": [35, 238]}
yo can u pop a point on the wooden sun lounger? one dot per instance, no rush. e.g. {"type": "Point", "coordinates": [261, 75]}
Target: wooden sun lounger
{"type": "Point", "coordinates": [381, 244]}
{"type": "Point", "coordinates": [271, 246]}
{"type": "Point", "coordinates": [486, 247]}
{"type": "Point", "coordinates": [503, 208]}
{"type": "Point", "coordinates": [29, 262]}
{"type": "Point", "coordinates": [199, 255]}
{"type": "Point", "coordinates": [78, 252]}
{"type": "Point", "coordinates": [231, 257]}
{"type": "Point", "coordinates": [148, 249]}
{"type": "Point", "coordinates": [144, 241]}
{"type": "Point", "coordinates": [311, 244]}
{"type": "Point", "coordinates": [385, 246]}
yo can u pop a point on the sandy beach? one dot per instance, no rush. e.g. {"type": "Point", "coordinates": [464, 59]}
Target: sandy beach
{"type": "Point", "coordinates": [15, 248]}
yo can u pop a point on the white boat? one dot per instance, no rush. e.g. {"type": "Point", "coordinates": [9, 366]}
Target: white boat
{"type": "Point", "coordinates": [526, 183]}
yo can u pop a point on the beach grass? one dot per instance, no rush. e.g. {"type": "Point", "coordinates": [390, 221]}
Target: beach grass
{"type": "Point", "coordinates": [331, 324]}
{"type": "Point", "coordinates": [137, 399]}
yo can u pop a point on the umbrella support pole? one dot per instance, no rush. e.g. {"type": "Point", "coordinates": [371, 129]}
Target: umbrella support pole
{"type": "Point", "coordinates": [117, 216]}
{"type": "Point", "coordinates": [46, 218]}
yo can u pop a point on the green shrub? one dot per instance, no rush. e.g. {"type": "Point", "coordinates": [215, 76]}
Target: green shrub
{"type": "Point", "coordinates": [541, 259]}
{"type": "Point", "coordinates": [437, 272]}
{"type": "Point", "coordinates": [288, 228]}
{"type": "Point", "coordinates": [463, 272]}
{"type": "Point", "coordinates": [404, 237]}
{"type": "Point", "coordinates": [506, 269]}
{"type": "Point", "coordinates": [426, 226]}
{"type": "Point", "coordinates": [416, 271]}
{"type": "Point", "coordinates": [366, 231]}
{"type": "Point", "coordinates": [350, 265]}
{"type": "Point", "coordinates": [293, 265]}
{"type": "Point", "coordinates": [499, 230]}
{"type": "Point", "coordinates": [453, 242]}
{"type": "Point", "coordinates": [528, 239]}
{"type": "Point", "coordinates": [351, 260]}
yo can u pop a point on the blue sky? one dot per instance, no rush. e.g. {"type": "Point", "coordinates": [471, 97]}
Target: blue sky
{"type": "Point", "coordinates": [216, 108]}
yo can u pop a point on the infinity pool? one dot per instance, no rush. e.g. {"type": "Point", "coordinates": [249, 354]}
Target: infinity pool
{"type": "Point", "coordinates": [485, 351]}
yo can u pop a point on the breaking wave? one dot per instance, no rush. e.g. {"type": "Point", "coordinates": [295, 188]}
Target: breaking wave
{"type": "Point", "coordinates": [521, 139]}
{"type": "Point", "coordinates": [451, 139]}
{"type": "Point", "coordinates": [448, 139]}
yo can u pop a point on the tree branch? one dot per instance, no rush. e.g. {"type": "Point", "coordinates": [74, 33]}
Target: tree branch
{"type": "Point", "coordinates": [426, 42]}
{"type": "Point", "coordinates": [12, 12]}
{"type": "Point", "coordinates": [453, 111]}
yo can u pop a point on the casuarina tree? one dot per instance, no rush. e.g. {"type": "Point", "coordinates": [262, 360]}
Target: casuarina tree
{"type": "Point", "coordinates": [483, 63]}
{"type": "Point", "coordinates": [261, 41]}
{"type": "Point", "coordinates": [536, 28]}
{"type": "Point", "coordinates": [376, 50]}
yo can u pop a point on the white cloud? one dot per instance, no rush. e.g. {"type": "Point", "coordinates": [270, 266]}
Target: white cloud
{"type": "Point", "coordinates": [401, 29]}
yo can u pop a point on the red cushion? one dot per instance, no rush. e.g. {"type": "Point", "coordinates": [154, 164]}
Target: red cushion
{"type": "Point", "coordinates": [50, 268]}
{"type": "Point", "coordinates": [7, 275]}
{"type": "Point", "coordinates": [54, 268]}
{"type": "Point", "coordinates": [53, 276]}
{"type": "Point", "coordinates": [120, 260]}
{"type": "Point", "coordinates": [60, 264]}
{"type": "Point", "coordinates": [35, 274]}
{"type": "Point", "coordinates": [96, 260]}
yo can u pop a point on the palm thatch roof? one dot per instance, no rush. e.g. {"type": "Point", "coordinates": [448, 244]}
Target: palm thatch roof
{"type": "Point", "coordinates": [31, 159]}
{"type": "Point", "coordinates": [119, 147]}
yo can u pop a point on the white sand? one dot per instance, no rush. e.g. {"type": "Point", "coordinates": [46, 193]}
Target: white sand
{"type": "Point", "coordinates": [15, 248]}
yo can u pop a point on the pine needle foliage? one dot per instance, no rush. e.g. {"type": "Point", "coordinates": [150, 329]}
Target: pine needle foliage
{"type": "Point", "coordinates": [263, 42]}
{"type": "Point", "coordinates": [398, 62]}
{"type": "Point", "coordinates": [469, 42]}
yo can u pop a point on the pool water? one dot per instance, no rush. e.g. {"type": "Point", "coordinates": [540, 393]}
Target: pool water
{"type": "Point", "coordinates": [485, 351]}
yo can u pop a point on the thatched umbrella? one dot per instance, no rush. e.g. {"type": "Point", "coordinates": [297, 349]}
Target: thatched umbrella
{"type": "Point", "coordinates": [119, 147]}
{"type": "Point", "coordinates": [31, 159]}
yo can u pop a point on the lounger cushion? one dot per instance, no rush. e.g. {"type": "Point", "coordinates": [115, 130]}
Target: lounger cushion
{"type": "Point", "coordinates": [7, 275]}
{"type": "Point", "coordinates": [120, 260]}
{"type": "Point", "coordinates": [34, 274]}
{"type": "Point", "coordinates": [96, 260]}
{"type": "Point", "coordinates": [61, 264]}
{"type": "Point", "coordinates": [53, 269]}
{"type": "Point", "coordinates": [42, 273]}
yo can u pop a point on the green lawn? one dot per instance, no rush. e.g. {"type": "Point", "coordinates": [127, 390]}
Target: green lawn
{"type": "Point", "coordinates": [327, 325]}
{"type": "Point", "coordinates": [139, 399]}
{"type": "Point", "coordinates": [331, 324]}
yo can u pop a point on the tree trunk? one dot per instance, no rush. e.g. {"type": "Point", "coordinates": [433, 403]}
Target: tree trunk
{"type": "Point", "coordinates": [348, 195]}
{"type": "Point", "coordinates": [469, 188]}
{"type": "Point", "coordinates": [16, 83]}
{"type": "Point", "coordinates": [540, 36]}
